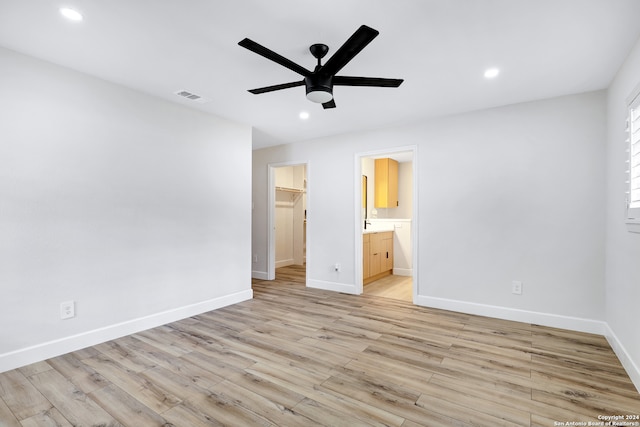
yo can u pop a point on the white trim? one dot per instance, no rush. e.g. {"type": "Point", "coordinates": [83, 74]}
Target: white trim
{"type": "Point", "coordinates": [403, 272]}
{"type": "Point", "coordinates": [333, 286]}
{"type": "Point", "coordinates": [271, 222]}
{"type": "Point", "coordinates": [633, 95]}
{"type": "Point", "coordinates": [357, 170]}
{"type": "Point", "coordinates": [284, 262]}
{"type": "Point", "coordinates": [627, 362]}
{"type": "Point", "coordinates": [260, 275]}
{"type": "Point", "coordinates": [36, 353]}
{"type": "Point", "coordinates": [633, 115]}
{"type": "Point", "coordinates": [544, 319]}
{"type": "Point", "coordinates": [414, 225]}
{"type": "Point", "coordinates": [633, 226]}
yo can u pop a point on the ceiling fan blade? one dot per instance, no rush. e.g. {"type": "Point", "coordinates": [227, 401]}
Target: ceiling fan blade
{"type": "Point", "coordinates": [361, 38]}
{"type": "Point", "coordinates": [366, 81]}
{"type": "Point", "coordinates": [276, 87]}
{"type": "Point", "coordinates": [330, 104]}
{"type": "Point", "coordinates": [269, 54]}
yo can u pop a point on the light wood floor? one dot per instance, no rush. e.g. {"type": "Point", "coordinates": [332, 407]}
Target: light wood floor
{"type": "Point", "coordinates": [296, 356]}
{"type": "Point", "coordinates": [394, 287]}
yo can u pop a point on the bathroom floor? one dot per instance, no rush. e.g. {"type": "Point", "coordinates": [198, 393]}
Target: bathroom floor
{"type": "Point", "coordinates": [394, 287]}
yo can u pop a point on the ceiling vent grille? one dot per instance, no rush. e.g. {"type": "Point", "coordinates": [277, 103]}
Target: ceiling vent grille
{"type": "Point", "coordinates": [191, 96]}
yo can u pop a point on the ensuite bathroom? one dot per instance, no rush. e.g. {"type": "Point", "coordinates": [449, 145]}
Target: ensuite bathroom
{"type": "Point", "coordinates": [386, 217]}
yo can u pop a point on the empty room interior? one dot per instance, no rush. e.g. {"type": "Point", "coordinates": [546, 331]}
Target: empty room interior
{"type": "Point", "coordinates": [416, 213]}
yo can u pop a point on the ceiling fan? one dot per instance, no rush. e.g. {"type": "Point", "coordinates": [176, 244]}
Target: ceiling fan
{"type": "Point", "coordinates": [319, 82]}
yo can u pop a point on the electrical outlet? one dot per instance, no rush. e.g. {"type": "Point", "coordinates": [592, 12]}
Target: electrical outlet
{"type": "Point", "coordinates": [337, 267]}
{"type": "Point", "coordinates": [67, 309]}
{"type": "Point", "coordinates": [255, 258]}
{"type": "Point", "coordinates": [516, 287]}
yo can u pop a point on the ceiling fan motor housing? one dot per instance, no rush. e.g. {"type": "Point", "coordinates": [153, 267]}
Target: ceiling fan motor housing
{"type": "Point", "coordinates": [319, 88]}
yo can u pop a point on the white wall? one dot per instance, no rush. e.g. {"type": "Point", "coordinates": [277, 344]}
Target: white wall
{"type": "Point", "coordinates": [512, 193]}
{"type": "Point", "coordinates": [516, 193]}
{"type": "Point", "coordinates": [135, 208]}
{"type": "Point", "coordinates": [623, 247]}
{"type": "Point", "coordinates": [405, 191]}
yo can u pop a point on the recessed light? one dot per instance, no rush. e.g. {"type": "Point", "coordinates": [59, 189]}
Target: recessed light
{"type": "Point", "coordinates": [71, 14]}
{"type": "Point", "coordinates": [304, 115]}
{"type": "Point", "coordinates": [491, 73]}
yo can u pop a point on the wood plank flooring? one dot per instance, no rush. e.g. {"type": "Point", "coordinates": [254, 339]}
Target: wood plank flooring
{"type": "Point", "coordinates": [305, 357]}
{"type": "Point", "coordinates": [392, 286]}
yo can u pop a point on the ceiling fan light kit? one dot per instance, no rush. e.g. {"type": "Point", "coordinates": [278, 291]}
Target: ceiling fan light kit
{"type": "Point", "coordinates": [319, 95]}
{"type": "Point", "coordinates": [319, 82]}
{"type": "Point", "coordinates": [319, 89]}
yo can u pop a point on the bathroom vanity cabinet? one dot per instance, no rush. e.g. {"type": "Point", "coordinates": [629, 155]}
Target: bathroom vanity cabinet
{"type": "Point", "coordinates": [377, 255]}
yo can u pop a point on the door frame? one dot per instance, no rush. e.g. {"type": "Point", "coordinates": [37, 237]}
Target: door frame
{"type": "Point", "coordinates": [271, 213]}
{"type": "Point", "coordinates": [358, 209]}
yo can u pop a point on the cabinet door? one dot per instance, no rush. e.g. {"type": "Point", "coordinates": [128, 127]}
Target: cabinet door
{"type": "Point", "coordinates": [375, 251]}
{"type": "Point", "coordinates": [392, 197]}
{"type": "Point", "coordinates": [365, 256]}
{"type": "Point", "coordinates": [387, 255]}
{"type": "Point", "coordinates": [386, 183]}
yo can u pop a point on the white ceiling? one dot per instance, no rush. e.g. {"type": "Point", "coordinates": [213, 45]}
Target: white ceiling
{"type": "Point", "coordinates": [544, 48]}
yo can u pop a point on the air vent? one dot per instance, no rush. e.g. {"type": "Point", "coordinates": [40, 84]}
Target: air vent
{"type": "Point", "coordinates": [191, 96]}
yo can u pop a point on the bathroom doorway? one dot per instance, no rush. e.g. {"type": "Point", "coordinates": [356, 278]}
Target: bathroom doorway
{"type": "Point", "coordinates": [386, 231]}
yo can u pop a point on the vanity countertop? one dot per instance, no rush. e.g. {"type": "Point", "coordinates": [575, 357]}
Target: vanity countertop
{"type": "Point", "coordinates": [369, 231]}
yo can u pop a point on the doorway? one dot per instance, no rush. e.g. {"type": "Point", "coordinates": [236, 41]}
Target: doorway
{"type": "Point", "coordinates": [288, 204]}
{"type": "Point", "coordinates": [398, 277]}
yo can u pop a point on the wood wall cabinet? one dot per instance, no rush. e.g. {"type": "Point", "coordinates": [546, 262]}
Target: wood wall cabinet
{"type": "Point", "coordinates": [377, 255]}
{"type": "Point", "coordinates": [386, 183]}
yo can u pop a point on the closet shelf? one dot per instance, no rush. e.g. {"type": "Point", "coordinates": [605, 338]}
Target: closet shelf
{"type": "Point", "coordinates": [290, 190]}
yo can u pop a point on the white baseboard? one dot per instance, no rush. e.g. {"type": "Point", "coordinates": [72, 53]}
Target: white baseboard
{"type": "Point", "coordinates": [538, 318]}
{"type": "Point", "coordinates": [627, 362]}
{"type": "Point", "coordinates": [284, 263]}
{"type": "Point", "coordinates": [544, 319]}
{"type": "Point", "coordinates": [261, 275]}
{"type": "Point", "coordinates": [333, 286]}
{"type": "Point", "coordinates": [36, 353]}
{"type": "Point", "coordinates": [403, 272]}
